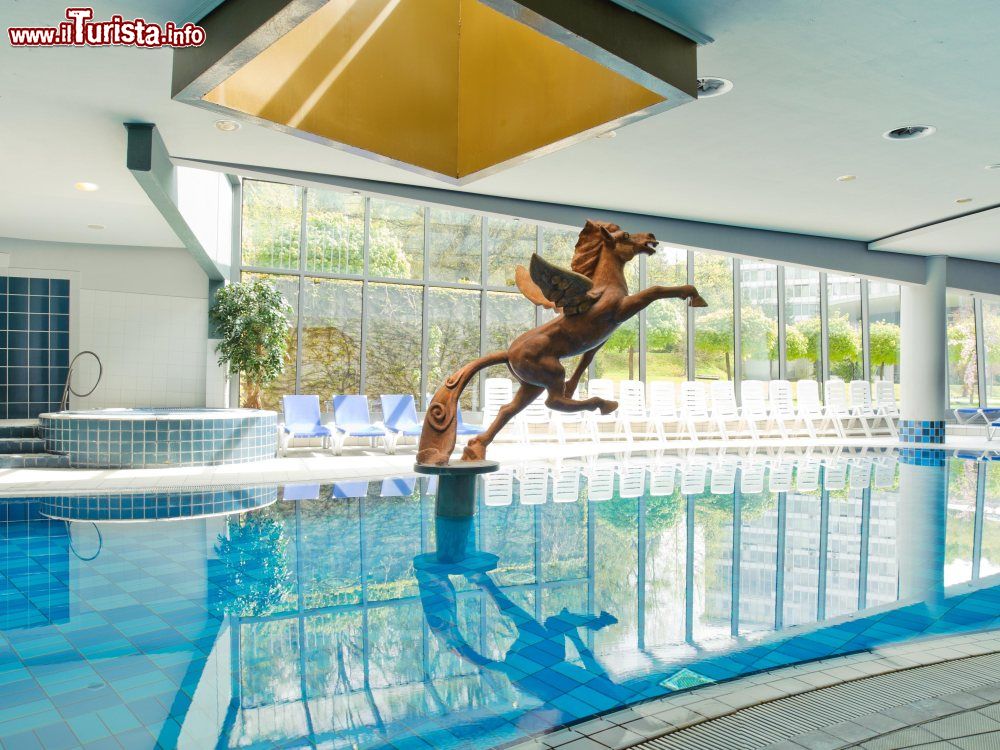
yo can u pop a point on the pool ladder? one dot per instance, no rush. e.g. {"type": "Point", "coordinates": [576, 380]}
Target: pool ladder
{"type": "Point", "coordinates": [64, 404]}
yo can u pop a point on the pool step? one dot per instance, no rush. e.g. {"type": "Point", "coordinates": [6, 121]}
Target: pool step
{"type": "Point", "coordinates": [21, 428]}
{"type": "Point", "coordinates": [33, 461]}
{"type": "Point", "coordinates": [22, 445]}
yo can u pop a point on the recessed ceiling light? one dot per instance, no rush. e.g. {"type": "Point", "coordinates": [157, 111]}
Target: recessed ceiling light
{"type": "Point", "coordinates": [909, 132]}
{"type": "Point", "coordinates": [847, 178]}
{"type": "Point", "coordinates": [610, 134]}
{"type": "Point", "coordinates": [355, 192]}
{"type": "Point", "coordinates": [95, 226]}
{"type": "Point", "coordinates": [710, 86]}
{"type": "Point", "coordinates": [963, 200]}
{"type": "Point", "coordinates": [86, 187]}
{"type": "Point", "coordinates": [227, 126]}
{"type": "Point", "coordinates": [992, 166]}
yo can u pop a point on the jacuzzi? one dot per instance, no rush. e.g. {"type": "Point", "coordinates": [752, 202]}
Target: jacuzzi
{"type": "Point", "coordinates": [143, 438]}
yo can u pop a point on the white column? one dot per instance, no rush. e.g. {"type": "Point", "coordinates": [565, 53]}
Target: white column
{"type": "Point", "coordinates": [923, 350]}
{"type": "Point", "coordinates": [216, 379]}
{"type": "Point", "coordinates": [920, 524]}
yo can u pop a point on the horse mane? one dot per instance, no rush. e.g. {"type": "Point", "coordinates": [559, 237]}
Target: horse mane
{"type": "Point", "coordinates": [589, 247]}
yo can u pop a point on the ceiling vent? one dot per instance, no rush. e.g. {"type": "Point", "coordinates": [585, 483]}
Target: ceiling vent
{"type": "Point", "coordinates": [709, 87]}
{"type": "Point", "coordinates": [909, 132]}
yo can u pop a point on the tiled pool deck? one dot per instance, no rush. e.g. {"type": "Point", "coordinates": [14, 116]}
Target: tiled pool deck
{"type": "Point", "coordinates": [306, 464]}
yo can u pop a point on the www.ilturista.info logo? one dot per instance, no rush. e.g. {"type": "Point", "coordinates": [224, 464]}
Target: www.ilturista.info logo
{"type": "Point", "coordinates": [79, 30]}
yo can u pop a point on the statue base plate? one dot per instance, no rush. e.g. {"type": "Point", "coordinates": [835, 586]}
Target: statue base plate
{"type": "Point", "coordinates": [459, 468]}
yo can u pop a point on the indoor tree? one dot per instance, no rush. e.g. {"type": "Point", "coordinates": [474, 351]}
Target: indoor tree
{"type": "Point", "coordinates": [883, 345]}
{"type": "Point", "coordinates": [252, 321]}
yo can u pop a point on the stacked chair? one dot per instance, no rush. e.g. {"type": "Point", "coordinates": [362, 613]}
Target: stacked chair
{"type": "Point", "coordinates": [656, 411]}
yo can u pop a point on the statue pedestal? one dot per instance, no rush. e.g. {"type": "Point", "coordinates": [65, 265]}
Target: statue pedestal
{"type": "Point", "coordinates": [454, 509]}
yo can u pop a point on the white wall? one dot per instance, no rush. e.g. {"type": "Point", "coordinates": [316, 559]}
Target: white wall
{"type": "Point", "coordinates": [144, 311]}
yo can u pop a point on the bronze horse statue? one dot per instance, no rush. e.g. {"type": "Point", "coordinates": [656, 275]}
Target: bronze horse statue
{"type": "Point", "coordinates": [593, 300]}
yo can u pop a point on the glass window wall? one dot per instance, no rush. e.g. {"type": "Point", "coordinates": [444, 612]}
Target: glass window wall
{"type": "Point", "coordinates": [803, 344]}
{"type": "Point", "coordinates": [844, 328]}
{"type": "Point", "coordinates": [367, 266]}
{"type": "Point", "coordinates": [991, 342]}
{"type": "Point", "coordinates": [759, 320]}
{"type": "Point", "coordinates": [714, 342]}
{"type": "Point", "coordinates": [963, 366]}
{"type": "Point", "coordinates": [666, 322]}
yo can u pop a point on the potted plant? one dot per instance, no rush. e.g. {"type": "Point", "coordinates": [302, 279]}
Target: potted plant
{"type": "Point", "coordinates": [251, 318]}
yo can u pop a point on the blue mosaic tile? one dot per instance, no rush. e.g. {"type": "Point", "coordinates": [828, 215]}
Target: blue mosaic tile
{"type": "Point", "coordinates": [921, 431]}
{"type": "Point", "coordinates": [149, 438]}
{"type": "Point", "coordinates": [34, 327]}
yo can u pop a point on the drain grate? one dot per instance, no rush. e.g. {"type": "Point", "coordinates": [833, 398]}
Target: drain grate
{"type": "Point", "coordinates": [764, 724]}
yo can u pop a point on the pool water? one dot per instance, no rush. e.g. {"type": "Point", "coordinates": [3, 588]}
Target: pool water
{"type": "Point", "coordinates": [348, 615]}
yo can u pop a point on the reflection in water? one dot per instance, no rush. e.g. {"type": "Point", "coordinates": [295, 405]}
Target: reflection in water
{"type": "Point", "coordinates": [536, 661]}
{"type": "Point", "coordinates": [329, 618]}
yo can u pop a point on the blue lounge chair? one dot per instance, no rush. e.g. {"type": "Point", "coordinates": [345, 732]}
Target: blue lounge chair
{"type": "Point", "coordinates": [351, 418]}
{"type": "Point", "coordinates": [345, 490]}
{"type": "Point", "coordinates": [467, 429]}
{"type": "Point", "coordinates": [302, 420]}
{"type": "Point", "coordinates": [398, 486]}
{"type": "Point", "coordinates": [990, 415]}
{"type": "Point", "coordinates": [399, 415]}
{"type": "Point", "coordinates": [301, 492]}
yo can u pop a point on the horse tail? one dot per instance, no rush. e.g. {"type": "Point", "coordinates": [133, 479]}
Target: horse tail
{"type": "Point", "coordinates": [437, 438]}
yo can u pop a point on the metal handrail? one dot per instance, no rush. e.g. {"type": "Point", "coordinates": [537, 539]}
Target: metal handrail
{"type": "Point", "coordinates": [64, 404]}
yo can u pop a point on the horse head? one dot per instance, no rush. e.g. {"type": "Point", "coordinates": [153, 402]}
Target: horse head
{"type": "Point", "coordinates": [599, 237]}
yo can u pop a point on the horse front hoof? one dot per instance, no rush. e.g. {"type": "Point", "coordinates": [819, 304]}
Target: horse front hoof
{"type": "Point", "coordinates": [474, 452]}
{"type": "Point", "coordinates": [697, 301]}
{"type": "Point", "coordinates": [608, 406]}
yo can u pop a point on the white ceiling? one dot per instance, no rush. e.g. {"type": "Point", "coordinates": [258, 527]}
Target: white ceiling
{"type": "Point", "coordinates": [816, 83]}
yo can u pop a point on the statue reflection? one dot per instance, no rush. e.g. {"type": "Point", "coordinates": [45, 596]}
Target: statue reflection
{"type": "Point", "coordinates": [538, 662]}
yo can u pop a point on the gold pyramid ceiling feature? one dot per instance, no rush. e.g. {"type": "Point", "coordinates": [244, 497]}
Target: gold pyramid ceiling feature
{"type": "Point", "coordinates": [454, 88]}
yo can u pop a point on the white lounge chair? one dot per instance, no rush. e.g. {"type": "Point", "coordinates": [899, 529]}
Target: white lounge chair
{"type": "Point", "coordinates": [752, 473]}
{"type": "Point", "coordinates": [602, 388]}
{"type": "Point", "coordinates": [631, 480]}
{"type": "Point", "coordinates": [726, 412]}
{"type": "Point", "coordinates": [861, 405]}
{"type": "Point", "coordinates": [753, 396]}
{"type": "Point", "coordinates": [835, 474]}
{"type": "Point", "coordinates": [498, 488]}
{"type": "Point", "coordinates": [693, 476]}
{"type": "Point", "coordinates": [566, 483]}
{"type": "Point", "coordinates": [885, 472]}
{"type": "Point", "coordinates": [498, 392]}
{"type": "Point", "coordinates": [535, 419]}
{"type": "Point", "coordinates": [807, 475]}
{"type": "Point", "coordinates": [810, 407]}
{"type": "Point", "coordinates": [694, 409]}
{"type": "Point", "coordinates": [632, 411]}
{"type": "Point", "coordinates": [779, 479]}
{"type": "Point", "coordinates": [836, 404]}
{"type": "Point", "coordinates": [662, 403]}
{"type": "Point", "coordinates": [572, 424]}
{"type": "Point", "coordinates": [533, 484]}
{"type": "Point", "coordinates": [783, 413]}
{"type": "Point", "coordinates": [724, 476]}
{"type": "Point", "coordinates": [662, 478]}
{"type": "Point", "coordinates": [860, 474]}
{"type": "Point", "coordinates": [601, 481]}
{"type": "Point", "coordinates": [885, 398]}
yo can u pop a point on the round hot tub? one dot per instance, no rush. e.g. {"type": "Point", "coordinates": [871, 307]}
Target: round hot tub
{"type": "Point", "coordinates": [142, 438]}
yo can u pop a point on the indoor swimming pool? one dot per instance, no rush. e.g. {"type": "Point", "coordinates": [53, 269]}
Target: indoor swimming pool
{"type": "Point", "coordinates": [348, 615]}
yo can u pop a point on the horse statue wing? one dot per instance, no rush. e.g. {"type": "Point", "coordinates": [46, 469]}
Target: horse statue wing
{"type": "Point", "coordinates": [555, 288]}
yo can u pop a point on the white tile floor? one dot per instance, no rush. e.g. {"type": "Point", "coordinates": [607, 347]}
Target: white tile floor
{"type": "Point", "coordinates": [313, 465]}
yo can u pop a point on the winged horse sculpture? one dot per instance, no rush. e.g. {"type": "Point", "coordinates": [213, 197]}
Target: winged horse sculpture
{"type": "Point", "coordinates": [592, 301]}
